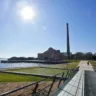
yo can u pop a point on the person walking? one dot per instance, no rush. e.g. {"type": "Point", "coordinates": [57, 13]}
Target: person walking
{"type": "Point", "coordinates": [87, 63]}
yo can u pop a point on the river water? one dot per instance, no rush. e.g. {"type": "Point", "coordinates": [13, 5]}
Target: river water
{"type": "Point", "coordinates": [19, 65]}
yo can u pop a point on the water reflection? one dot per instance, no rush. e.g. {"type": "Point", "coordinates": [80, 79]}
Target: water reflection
{"type": "Point", "coordinates": [20, 65]}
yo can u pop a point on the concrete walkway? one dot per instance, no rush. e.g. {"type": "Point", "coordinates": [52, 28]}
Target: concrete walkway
{"type": "Point", "coordinates": [76, 85]}
{"type": "Point", "coordinates": [84, 66]}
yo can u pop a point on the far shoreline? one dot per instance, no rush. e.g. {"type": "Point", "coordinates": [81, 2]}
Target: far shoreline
{"type": "Point", "coordinates": [34, 61]}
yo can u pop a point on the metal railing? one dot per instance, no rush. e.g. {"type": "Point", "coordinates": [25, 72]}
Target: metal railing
{"type": "Point", "coordinates": [45, 90]}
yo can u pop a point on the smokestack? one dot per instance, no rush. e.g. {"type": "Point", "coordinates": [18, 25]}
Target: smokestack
{"type": "Point", "coordinates": [68, 43]}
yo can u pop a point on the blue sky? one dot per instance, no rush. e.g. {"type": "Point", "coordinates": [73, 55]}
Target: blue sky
{"type": "Point", "coordinates": [48, 28]}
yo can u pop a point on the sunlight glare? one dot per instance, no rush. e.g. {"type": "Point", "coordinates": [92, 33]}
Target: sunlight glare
{"type": "Point", "coordinates": [27, 13]}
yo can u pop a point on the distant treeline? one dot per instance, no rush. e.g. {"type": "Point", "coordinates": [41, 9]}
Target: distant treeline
{"type": "Point", "coordinates": [31, 60]}
{"type": "Point", "coordinates": [76, 56]}
{"type": "Point", "coordinates": [22, 58]}
{"type": "Point", "coordinates": [85, 56]}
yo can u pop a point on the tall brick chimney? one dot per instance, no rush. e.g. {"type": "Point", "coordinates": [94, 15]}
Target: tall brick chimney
{"type": "Point", "coordinates": [68, 42]}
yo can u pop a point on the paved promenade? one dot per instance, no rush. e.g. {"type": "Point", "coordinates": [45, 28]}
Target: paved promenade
{"type": "Point", "coordinates": [76, 85]}
{"type": "Point", "coordinates": [84, 66]}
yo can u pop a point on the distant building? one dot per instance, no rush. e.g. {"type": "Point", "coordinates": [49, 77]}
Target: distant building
{"type": "Point", "coordinates": [51, 54]}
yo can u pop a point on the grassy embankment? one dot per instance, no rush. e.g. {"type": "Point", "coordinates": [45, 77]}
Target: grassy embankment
{"type": "Point", "coordinates": [4, 77]}
{"type": "Point", "coordinates": [38, 70]}
{"type": "Point", "coordinates": [93, 63]}
{"type": "Point", "coordinates": [46, 71]}
{"type": "Point", "coordinates": [72, 64]}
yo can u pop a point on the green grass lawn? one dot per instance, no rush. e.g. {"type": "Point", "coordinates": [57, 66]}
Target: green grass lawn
{"type": "Point", "coordinates": [38, 70]}
{"type": "Point", "coordinates": [69, 65]}
{"type": "Point", "coordinates": [4, 77]}
{"type": "Point", "coordinates": [71, 61]}
{"type": "Point", "coordinates": [93, 63]}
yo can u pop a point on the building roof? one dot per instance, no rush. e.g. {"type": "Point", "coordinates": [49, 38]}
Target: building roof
{"type": "Point", "coordinates": [52, 50]}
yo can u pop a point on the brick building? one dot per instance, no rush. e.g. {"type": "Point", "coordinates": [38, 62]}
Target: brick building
{"type": "Point", "coordinates": [52, 54]}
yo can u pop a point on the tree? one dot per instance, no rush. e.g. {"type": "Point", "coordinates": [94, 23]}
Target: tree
{"type": "Point", "coordinates": [88, 55]}
{"type": "Point", "coordinates": [94, 56]}
{"type": "Point", "coordinates": [79, 56]}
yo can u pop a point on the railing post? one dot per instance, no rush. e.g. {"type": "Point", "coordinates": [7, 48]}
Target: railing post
{"type": "Point", "coordinates": [34, 90]}
{"type": "Point", "coordinates": [67, 73]}
{"type": "Point", "coordinates": [60, 79]}
{"type": "Point", "coordinates": [51, 85]}
{"type": "Point", "coordinates": [71, 73]}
